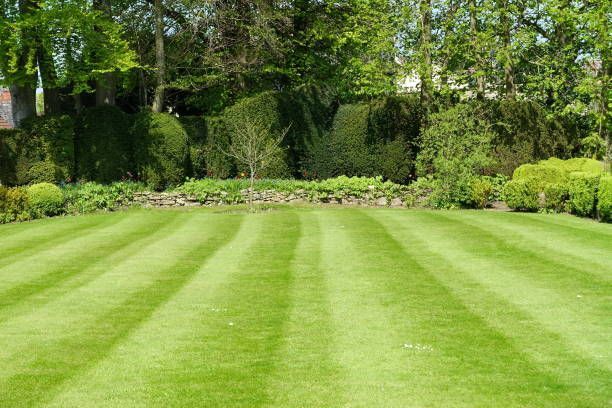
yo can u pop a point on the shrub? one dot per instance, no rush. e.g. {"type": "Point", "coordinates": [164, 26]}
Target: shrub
{"type": "Point", "coordinates": [44, 172]}
{"type": "Point", "coordinates": [369, 139]}
{"type": "Point", "coordinates": [104, 150]}
{"type": "Point", "coordinates": [522, 194]}
{"type": "Point", "coordinates": [8, 156]}
{"type": "Point", "coordinates": [583, 192]}
{"type": "Point", "coordinates": [576, 164]}
{"type": "Point", "coordinates": [454, 150]}
{"type": "Point", "coordinates": [556, 196]}
{"type": "Point", "coordinates": [195, 128]}
{"type": "Point", "coordinates": [541, 172]}
{"type": "Point", "coordinates": [45, 199]}
{"type": "Point", "coordinates": [16, 205]}
{"type": "Point", "coordinates": [604, 198]}
{"type": "Point", "coordinates": [480, 192]}
{"type": "Point", "coordinates": [90, 197]}
{"type": "Point", "coordinates": [524, 133]}
{"type": "Point", "coordinates": [46, 139]}
{"type": "Point", "coordinates": [162, 152]}
{"type": "Point", "coordinates": [3, 192]}
{"type": "Point", "coordinates": [306, 110]}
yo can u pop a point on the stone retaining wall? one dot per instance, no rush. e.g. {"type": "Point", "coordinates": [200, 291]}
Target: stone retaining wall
{"type": "Point", "coordinates": [161, 200]}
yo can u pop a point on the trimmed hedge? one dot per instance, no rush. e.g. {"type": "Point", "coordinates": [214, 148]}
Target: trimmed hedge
{"type": "Point", "coordinates": [307, 111]}
{"type": "Point", "coordinates": [14, 205]}
{"type": "Point", "coordinates": [583, 193]}
{"type": "Point", "coordinates": [48, 139]}
{"type": "Point", "coordinates": [524, 133]}
{"type": "Point", "coordinates": [556, 185]}
{"type": "Point", "coordinates": [104, 148]}
{"type": "Point", "coordinates": [42, 150]}
{"type": "Point", "coordinates": [162, 156]}
{"type": "Point", "coordinates": [370, 139]}
{"type": "Point", "coordinates": [604, 198]}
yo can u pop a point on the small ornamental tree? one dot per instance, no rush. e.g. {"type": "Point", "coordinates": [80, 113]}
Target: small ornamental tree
{"type": "Point", "coordinates": [253, 145]}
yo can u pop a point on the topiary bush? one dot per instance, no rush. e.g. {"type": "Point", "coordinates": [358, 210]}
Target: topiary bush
{"type": "Point", "coordinates": [162, 151]}
{"type": "Point", "coordinates": [104, 146]}
{"type": "Point", "coordinates": [45, 199]}
{"type": "Point", "coordinates": [604, 198]}
{"type": "Point", "coordinates": [368, 139]}
{"type": "Point", "coordinates": [522, 194]}
{"type": "Point", "coordinates": [582, 193]}
{"type": "Point", "coordinates": [543, 173]}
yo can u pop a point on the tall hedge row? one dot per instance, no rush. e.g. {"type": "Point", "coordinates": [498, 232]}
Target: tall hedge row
{"type": "Point", "coordinates": [103, 144]}
{"type": "Point", "coordinates": [379, 137]}
{"type": "Point", "coordinates": [370, 139]}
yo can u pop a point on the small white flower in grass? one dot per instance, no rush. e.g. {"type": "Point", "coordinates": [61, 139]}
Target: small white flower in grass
{"type": "Point", "coordinates": [418, 347]}
{"type": "Point", "coordinates": [231, 323]}
{"type": "Point", "coordinates": [578, 296]}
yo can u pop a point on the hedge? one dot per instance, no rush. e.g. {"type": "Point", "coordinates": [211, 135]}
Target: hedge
{"type": "Point", "coordinates": [583, 193]}
{"type": "Point", "coordinates": [524, 133]}
{"type": "Point", "coordinates": [604, 198]}
{"type": "Point", "coordinates": [162, 156]}
{"type": "Point", "coordinates": [307, 111]}
{"type": "Point", "coordinates": [555, 185]}
{"type": "Point", "coordinates": [104, 147]}
{"type": "Point", "coordinates": [42, 150]}
{"type": "Point", "coordinates": [370, 139]}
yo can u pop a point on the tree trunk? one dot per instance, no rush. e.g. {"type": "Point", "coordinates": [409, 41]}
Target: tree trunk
{"type": "Point", "coordinates": [480, 79]}
{"type": "Point", "coordinates": [48, 76]}
{"type": "Point", "coordinates": [160, 58]}
{"type": "Point", "coordinates": [23, 101]}
{"type": "Point", "coordinates": [505, 26]}
{"type": "Point", "coordinates": [251, 189]}
{"type": "Point", "coordinates": [425, 70]}
{"type": "Point", "coordinates": [106, 89]}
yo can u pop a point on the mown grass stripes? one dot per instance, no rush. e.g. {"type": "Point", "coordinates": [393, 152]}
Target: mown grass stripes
{"type": "Point", "coordinates": [299, 307]}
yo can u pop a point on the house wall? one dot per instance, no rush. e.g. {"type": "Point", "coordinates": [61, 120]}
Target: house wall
{"type": "Point", "coordinates": [6, 111]}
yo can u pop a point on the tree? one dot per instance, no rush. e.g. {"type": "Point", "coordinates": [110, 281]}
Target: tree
{"type": "Point", "coordinates": [253, 144]}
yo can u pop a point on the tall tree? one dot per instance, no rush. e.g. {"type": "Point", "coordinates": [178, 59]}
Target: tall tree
{"type": "Point", "coordinates": [425, 64]}
{"type": "Point", "coordinates": [160, 58]}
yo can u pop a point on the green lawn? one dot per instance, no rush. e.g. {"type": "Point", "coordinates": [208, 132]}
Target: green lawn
{"type": "Point", "coordinates": [306, 307]}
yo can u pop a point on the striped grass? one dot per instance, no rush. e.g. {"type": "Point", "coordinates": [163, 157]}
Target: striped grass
{"type": "Point", "coordinates": [306, 307]}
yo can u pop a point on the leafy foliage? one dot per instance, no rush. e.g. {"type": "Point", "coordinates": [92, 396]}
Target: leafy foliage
{"type": "Point", "coordinates": [104, 148]}
{"type": "Point", "coordinates": [162, 155]}
{"type": "Point", "coordinates": [45, 199]}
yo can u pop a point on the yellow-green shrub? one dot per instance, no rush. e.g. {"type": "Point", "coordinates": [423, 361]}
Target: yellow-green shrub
{"type": "Point", "coordinates": [45, 199]}
{"type": "Point", "coordinates": [604, 198]}
{"type": "Point", "coordinates": [582, 193]}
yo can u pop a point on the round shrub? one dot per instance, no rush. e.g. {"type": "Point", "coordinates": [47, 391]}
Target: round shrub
{"type": "Point", "coordinates": [542, 172]}
{"type": "Point", "coordinates": [582, 193]}
{"type": "Point", "coordinates": [604, 198]}
{"type": "Point", "coordinates": [103, 145]}
{"type": "Point", "coordinates": [16, 205]}
{"type": "Point", "coordinates": [45, 199]}
{"type": "Point", "coordinates": [162, 152]}
{"type": "Point", "coordinates": [45, 172]}
{"type": "Point", "coordinates": [522, 194]}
